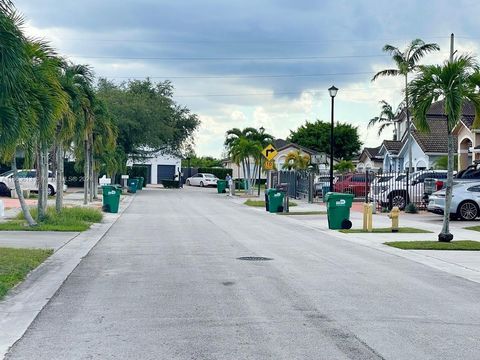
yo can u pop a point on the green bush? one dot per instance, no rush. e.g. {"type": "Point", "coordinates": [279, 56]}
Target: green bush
{"type": "Point", "coordinates": [73, 178]}
{"type": "Point", "coordinates": [411, 209]}
{"type": "Point", "coordinates": [170, 184]}
{"type": "Point", "coordinates": [136, 171]}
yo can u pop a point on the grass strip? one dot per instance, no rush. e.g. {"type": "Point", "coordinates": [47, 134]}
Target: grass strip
{"type": "Point", "coordinates": [75, 219]}
{"type": "Point", "coordinates": [474, 228]}
{"type": "Point", "coordinates": [403, 230]}
{"type": "Point", "coordinates": [462, 245]}
{"type": "Point", "coordinates": [15, 264]}
{"type": "Point", "coordinates": [304, 213]}
{"type": "Point", "coordinates": [261, 203]}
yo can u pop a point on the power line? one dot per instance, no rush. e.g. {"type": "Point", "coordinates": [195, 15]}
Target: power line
{"type": "Point", "coordinates": [239, 76]}
{"type": "Point", "coordinates": [278, 93]}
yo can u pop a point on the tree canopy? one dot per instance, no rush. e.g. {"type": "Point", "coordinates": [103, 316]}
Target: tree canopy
{"type": "Point", "coordinates": [316, 136]}
{"type": "Point", "coordinates": [149, 120]}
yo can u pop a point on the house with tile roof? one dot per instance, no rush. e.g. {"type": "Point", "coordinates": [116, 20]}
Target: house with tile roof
{"type": "Point", "coordinates": [427, 148]}
{"type": "Point", "coordinates": [370, 159]}
{"type": "Point", "coordinates": [468, 138]}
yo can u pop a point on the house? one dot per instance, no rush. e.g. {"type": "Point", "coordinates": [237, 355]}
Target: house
{"type": "Point", "coordinates": [468, 138]}
{"type": "Point", "coordinates": [370, 159]}
{"type": "Point", "coordinates": [427, 147]}
{"type": "Point", "coordinates": [160, 166]}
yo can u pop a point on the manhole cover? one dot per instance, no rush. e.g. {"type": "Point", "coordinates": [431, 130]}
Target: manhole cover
{"type": "Point", "coordinates": [254, 258]}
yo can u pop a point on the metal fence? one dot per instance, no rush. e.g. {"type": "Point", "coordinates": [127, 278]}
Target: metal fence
{"type": "Point", "coordinates": [385, 190]}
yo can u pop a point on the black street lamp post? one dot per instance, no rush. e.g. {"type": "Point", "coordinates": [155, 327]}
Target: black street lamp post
{"type": "Point", "coordinates": [333, 92]}
{"type": "Point", "coordinates": [262, 130]}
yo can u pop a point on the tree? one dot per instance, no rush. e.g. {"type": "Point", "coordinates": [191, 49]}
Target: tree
{"type": "Point", "coordinates": [442, 163]}
{"type": "Point", "coordinates": [202, 161]}
{"type": "Point", "coordinates": [454, 82]}
{"type": "Point", "coordinates": [295, 160]}
{"type": "Point", "coordinates": [385, 119]}
{"type": "Point", "coordinates": [316, 136]}
{"type": "Point", "coordinates": [148, 118]}
{"type": "Point", "coordinates": [407, 62]}
{"type": "Point", "coordinates": [344, 166]}
{"type": "Point", "coordinates": [15, 81]}
{"type": "Point", "coordinates": [246, 145]}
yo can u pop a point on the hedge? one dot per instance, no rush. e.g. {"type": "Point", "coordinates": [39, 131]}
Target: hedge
{"type": "Point", "coordinates": [73, 178]}
{"type": "Point", "coordinates": [221, 173]}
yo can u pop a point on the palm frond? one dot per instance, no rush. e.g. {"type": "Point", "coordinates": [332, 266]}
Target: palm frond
{"type": "Point", "coordinates": [388, 72]}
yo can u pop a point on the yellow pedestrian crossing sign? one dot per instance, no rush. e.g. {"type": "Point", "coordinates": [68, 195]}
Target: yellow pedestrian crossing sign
{"type": "Point", "coordinates": [269, 152]}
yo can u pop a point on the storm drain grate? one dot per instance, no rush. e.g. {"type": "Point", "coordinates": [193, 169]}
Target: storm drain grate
{"type": "Point", "coordinates": [254, 258]}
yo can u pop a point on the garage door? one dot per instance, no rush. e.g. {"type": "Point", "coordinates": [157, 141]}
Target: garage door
{"type": "Point", "coordinates": [165, 172]}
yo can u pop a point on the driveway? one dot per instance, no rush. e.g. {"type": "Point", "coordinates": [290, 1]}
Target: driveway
{"type": "Point", "coordinates": [165, 283]}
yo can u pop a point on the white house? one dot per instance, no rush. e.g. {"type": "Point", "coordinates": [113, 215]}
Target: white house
{"type": "Point", "coordinates": [160, 167]}
{"type": "Point", "coordinates": [427, 147]}
{"type": "Point", "coordinates": [370, 159]}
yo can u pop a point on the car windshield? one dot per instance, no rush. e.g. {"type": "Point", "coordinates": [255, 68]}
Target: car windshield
{"type": "Point", "coordinates": [400, 177]}
{"type": "Point", "coordinates": [7, 173]}
{"type": "Point", "coordinates": [385, 178]}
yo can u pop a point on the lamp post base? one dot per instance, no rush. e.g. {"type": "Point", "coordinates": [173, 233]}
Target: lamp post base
{"type": "Point", "coordinates": [445, 237]}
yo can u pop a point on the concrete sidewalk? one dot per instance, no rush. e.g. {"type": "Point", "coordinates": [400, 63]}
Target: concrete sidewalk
{"type": "Point", "coordinates": [465, 264]}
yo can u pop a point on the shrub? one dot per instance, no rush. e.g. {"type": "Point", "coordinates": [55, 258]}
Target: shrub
{"type": "Point", "coordinates": [411, 208]}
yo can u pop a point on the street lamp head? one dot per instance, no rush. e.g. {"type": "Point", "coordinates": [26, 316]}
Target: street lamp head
{"type": "Point", "coordinates": [262, 129]}
{"type": "Point", "coordinates": [333, 91]}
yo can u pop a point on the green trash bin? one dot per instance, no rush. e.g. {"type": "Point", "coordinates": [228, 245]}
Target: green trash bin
{"type": "Point", "coordinates": [267, 195]}
{"type": "Point", "coordinates": [275, 201]}
{"type": "Point", "coordinates": [132, 185]}
{"type": "Point", "coordinates": [141, 180]}
{"type": "Point", "coordinates": [338, 210]}
{"type": "Point", "coordinates": [221, 186]}
{"type": "Point", "coordinates": [111, 198]}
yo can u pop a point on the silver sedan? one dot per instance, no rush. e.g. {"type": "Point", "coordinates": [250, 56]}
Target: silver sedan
{"type": "Point", "coordinates": [465, 201]}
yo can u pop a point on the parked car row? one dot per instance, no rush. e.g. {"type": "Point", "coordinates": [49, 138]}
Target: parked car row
{"type": "Point", "coordinates": [28, 181]}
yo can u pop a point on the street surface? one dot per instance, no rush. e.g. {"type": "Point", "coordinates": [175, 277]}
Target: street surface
{"type": "Point", "coordinates": [165, 283]}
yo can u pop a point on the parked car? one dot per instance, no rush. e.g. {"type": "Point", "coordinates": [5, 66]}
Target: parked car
{"type": "Point", "coordinates": [202, 179]}
{"type": "Point", "coordinates": [471, 173]}
{"type": "Point", "coordinates": [396, 193]}
{"type": "Point", "coordinates": [465, 201]}
{"type": "Point", "coordinates": [28, 181]}
{"type": "Point", "coordinates": [353, 184]}
{"type": "Point", "coordinates": [320, 182]}
{"type": "Point", "coordinates": [381, 182]}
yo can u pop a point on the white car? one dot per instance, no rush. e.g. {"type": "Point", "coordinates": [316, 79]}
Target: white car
{"type": "Point", "coordinates": [382, 182]}
{"type": "Point", "coordinates": [202, 179]}
{"type": "Point", "coordinates": [465, 201]}
{"type": "Point", "coordinates": [396, 193]}
{"type": "Point", "coordinates": [28, 181]}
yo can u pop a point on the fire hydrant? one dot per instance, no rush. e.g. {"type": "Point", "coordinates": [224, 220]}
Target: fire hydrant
{"type": "Point", "coordinates": [394, 214]}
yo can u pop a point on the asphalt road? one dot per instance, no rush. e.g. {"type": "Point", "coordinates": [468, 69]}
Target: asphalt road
{"type": "Point", "coordinates": [165, 283]}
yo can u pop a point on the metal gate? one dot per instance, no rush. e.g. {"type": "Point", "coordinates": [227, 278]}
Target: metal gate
{"type": "Point", "coordinates": [302, 184]}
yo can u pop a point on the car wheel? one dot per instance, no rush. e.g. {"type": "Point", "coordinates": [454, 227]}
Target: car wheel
{"type": "Point", "coordinates": [398, 200]}
{"type": "Point", "coordinates": [201, 184]}
{"type": "Point", "coordinates": [4, 191]}
{"type": "Point", "coordinates": [188, 182]}
{"type": "Point", "coordinates": [50, 190]}
{"type": "Point", "coordinates": [468, 210]}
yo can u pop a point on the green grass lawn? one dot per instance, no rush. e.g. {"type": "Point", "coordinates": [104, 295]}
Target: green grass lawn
{"type": "Point", "coordinates": [387, 230]}
{"type": "Point", "coordinates": [15, 264]}
{"type": "Point", "coordinates": [70, 219]}
{"type": "Point", "coordinates": [304, 213]}
{"type": "Point", "coordinates": [261, 203]}
{"type": "Point", "coordinates": [436, 245]}
{"type": "Point", "coordinates": [474, 228]}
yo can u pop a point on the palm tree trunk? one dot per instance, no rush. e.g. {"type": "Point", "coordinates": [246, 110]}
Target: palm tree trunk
{"type": "Point", "coordinates": [409, 135]}
{"type": "Point", "coordinates": [445, 235]}
{"type": "Point", "coordinates": [60, 178]}
{"type": "Point", "coordinates": [26, 212]}
{"type": "Point", "coordinates": [86, 170]}
{"type": "Point", "coordinates": [45, 179]}
{"type": "Point", "coordinates": [42, 165]}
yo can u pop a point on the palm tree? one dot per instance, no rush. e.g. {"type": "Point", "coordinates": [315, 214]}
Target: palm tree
{"type": "Point", "coordinates": [15, 75]}
{"type": "Point", "coordinates": [407, 62]}
{"type": "Point", "coordinates": [295, 160]}
{"type": "Point", "coordinates": [73, 79]}
{"type": "Point", "coordinates": [454, 82]}
{"type": "Point", "coordinates": [385, 119]}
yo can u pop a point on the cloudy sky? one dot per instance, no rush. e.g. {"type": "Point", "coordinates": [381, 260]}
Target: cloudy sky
{"type": "Point", "coordinates": [255, 63]}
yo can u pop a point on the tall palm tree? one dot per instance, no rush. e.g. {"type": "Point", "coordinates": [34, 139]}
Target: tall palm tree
{"type": "Point", "coordinates": [407, 62]}
{"type": "Point", "coordinates": [15, 75]}
{"type": "Point", "coordinates": [49, 103]}
{"type": "Point", "coordinates": [454, 82]}
{"type": "Point", "coordinates": [73, 79]}
{"type": "Point", "coordinates": [385, 119]}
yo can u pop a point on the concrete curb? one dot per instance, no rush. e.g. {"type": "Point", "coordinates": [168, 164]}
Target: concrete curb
{"type": "Point", "coordinates": [20, 308]}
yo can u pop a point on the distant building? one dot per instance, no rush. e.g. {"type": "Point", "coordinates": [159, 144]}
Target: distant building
{"type": "Point", "coordinates": [159, 167]}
